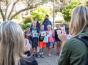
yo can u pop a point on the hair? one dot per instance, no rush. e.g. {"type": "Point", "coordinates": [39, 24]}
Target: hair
{"type": "Point", "coordinates": [49, 26]}
{"type": "Point", "coordinates": [25, 34]}
{"type": "Point", "coordinates": [47, 15]}
{"type": "Point", "coordinates": [79, 20]}
{"type": "Point", "coordinates": [11, 43]}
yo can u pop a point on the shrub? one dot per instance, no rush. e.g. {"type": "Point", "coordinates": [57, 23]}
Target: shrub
{"type": "Point", "coordinates": [25, 26]}
{"type": "Point", "coordinates": [40, 13]}
{"type": "Point", "coordinates": [68, 9]}
{"type": "Point", "coordinates": [27, 19]}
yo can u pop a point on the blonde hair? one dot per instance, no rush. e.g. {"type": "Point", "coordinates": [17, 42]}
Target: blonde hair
{"type": "Point", "coordinates": [79, 20]}
{"type": "Point", "coordinates": [49, 26]}
{"type": "Point", "coordinates": [12, 40]}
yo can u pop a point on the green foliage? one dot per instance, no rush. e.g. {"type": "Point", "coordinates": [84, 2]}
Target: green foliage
{"type": "Point", "coordinates": [27, 19]}
{"type": "Point", "coordinates": [17, 17]}
{"type": "Point", "coordinates": [26, 22]}
{"type": "Point", "coordinates": [68, 9]}
{"type": "Point", "coordinates": [86, 3]}
{"type": "Point", "coordinates": [44, 0]}
{"type": "Point", "coordinates": [25, 26]}
{"type": "Point", "coordinates": [40, 13]}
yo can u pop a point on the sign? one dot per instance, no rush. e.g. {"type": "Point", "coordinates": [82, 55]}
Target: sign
{"type": "Point", "coordinates": [34, 33]}
{"type": "Point", "coordinates": [43, 33]}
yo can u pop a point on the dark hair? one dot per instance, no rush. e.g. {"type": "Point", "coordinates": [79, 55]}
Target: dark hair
{"type": "Point", "coordinates": [25, 34]}
{"type": "Point", "coordinates": [47, 15]}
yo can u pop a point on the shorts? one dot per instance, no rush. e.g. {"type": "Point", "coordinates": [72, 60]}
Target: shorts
{"type": "Point", "coordinates": [42, 44]}
{"type": "Point", "coordinates": [34, 42]}
{"type": "Point", "coordinates": [50, 44]}
{"type": "Point", "coordinates": [57, 42]}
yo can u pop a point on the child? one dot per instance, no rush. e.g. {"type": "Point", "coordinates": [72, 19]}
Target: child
{"type": "Point", "coordinates": [27, 45]}
{"type": "Point", "coordinates": [50, 34]}
{"type": "Point", "coordinates": [63, 32]}
{"type": "Point", "coordinates": [34, 39]}
{"type": "Point", "coordinates": [42, 44]}
{"type": "Point", "coordinates": [57, 40]}
{"type": "Point", "coordinates": [29, 35]}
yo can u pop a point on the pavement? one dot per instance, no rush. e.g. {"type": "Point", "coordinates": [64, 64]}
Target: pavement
{"type": "Point", "coordinates": [48, 60]}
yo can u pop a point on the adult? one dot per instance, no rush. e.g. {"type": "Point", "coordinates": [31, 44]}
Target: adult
{"type": "Point", "coordinates": [12, 45]}
{"type": "Point", "coordinates": [75, 51]}
{"type": "Point", "coordinates": [46, 22]}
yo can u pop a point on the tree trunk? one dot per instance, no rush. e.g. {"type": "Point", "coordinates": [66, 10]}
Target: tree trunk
{"type": "Point", "coordinates": [12, 8]}
{"type": "Point", "coordinates": [2, 14]}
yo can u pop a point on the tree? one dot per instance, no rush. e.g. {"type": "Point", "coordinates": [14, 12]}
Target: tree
{"type": "Point", "coordinates": [40, 13]}
{"type": "Point", "coordinates": [8, 7]}
{"type": "Point", "coordinates": [68, 9]}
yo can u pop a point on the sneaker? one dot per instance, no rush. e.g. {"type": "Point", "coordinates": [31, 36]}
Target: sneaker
{"type": "Point", "coordinates": [36, 55]}
{"type": "Point", "coordinates": [41, 56]}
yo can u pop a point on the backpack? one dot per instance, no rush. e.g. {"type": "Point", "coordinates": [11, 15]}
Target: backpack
{"type": "Point", "coordinates": [84, 39]}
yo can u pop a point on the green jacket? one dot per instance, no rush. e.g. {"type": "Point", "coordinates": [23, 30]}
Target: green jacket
{"type": "Point", "coordinates": [74, 52]}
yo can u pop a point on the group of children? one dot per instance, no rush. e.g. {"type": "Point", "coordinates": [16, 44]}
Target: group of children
{"type": "Point", "coordinates": [42, 39]}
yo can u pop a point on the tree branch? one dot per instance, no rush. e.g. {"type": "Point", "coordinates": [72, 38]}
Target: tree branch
{"type": "Point", "coordinates": [13, 5]}
{"type": "Point", "coordinates": [18, 13]}
{"type": "Point", "coordinates": [29, 2]}
{"type": "Point", "coordinates": [6, 8]}
{"type": "Point", "coordinates": [31, 7]}
{"type": "Point", "coordinates": [2, 14]}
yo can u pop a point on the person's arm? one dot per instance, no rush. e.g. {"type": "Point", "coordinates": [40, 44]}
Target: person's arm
{"type": "Point", "coordinates": [63, 58]}
{"type": "Point", "coordinates": [50, 23]}
{"type": "Point", "coordinates": [73, 53]}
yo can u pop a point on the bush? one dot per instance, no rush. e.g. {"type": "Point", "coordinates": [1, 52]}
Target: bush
{"type": "Point", "coordinates": [68, 9]}
{"type": "Point", "coordinates": [25, 26]}
{"type": "Point", "coordinates": [40, 13]}
{"type": "Point", "coordinates": [27, 19]}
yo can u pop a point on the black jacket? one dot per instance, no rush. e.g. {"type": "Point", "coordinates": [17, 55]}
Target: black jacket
{"type": "Point", "coordinates": [28, 61]}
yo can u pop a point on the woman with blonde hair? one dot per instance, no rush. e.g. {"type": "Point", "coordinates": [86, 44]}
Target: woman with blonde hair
{"type": "Point", "coordinates": [12, 45]}
{"type": "Point", "coordinates": [75, 51]}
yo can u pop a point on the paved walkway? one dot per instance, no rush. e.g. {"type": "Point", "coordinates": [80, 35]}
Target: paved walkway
{"type": "Point", "coordinates": [52, 60]}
